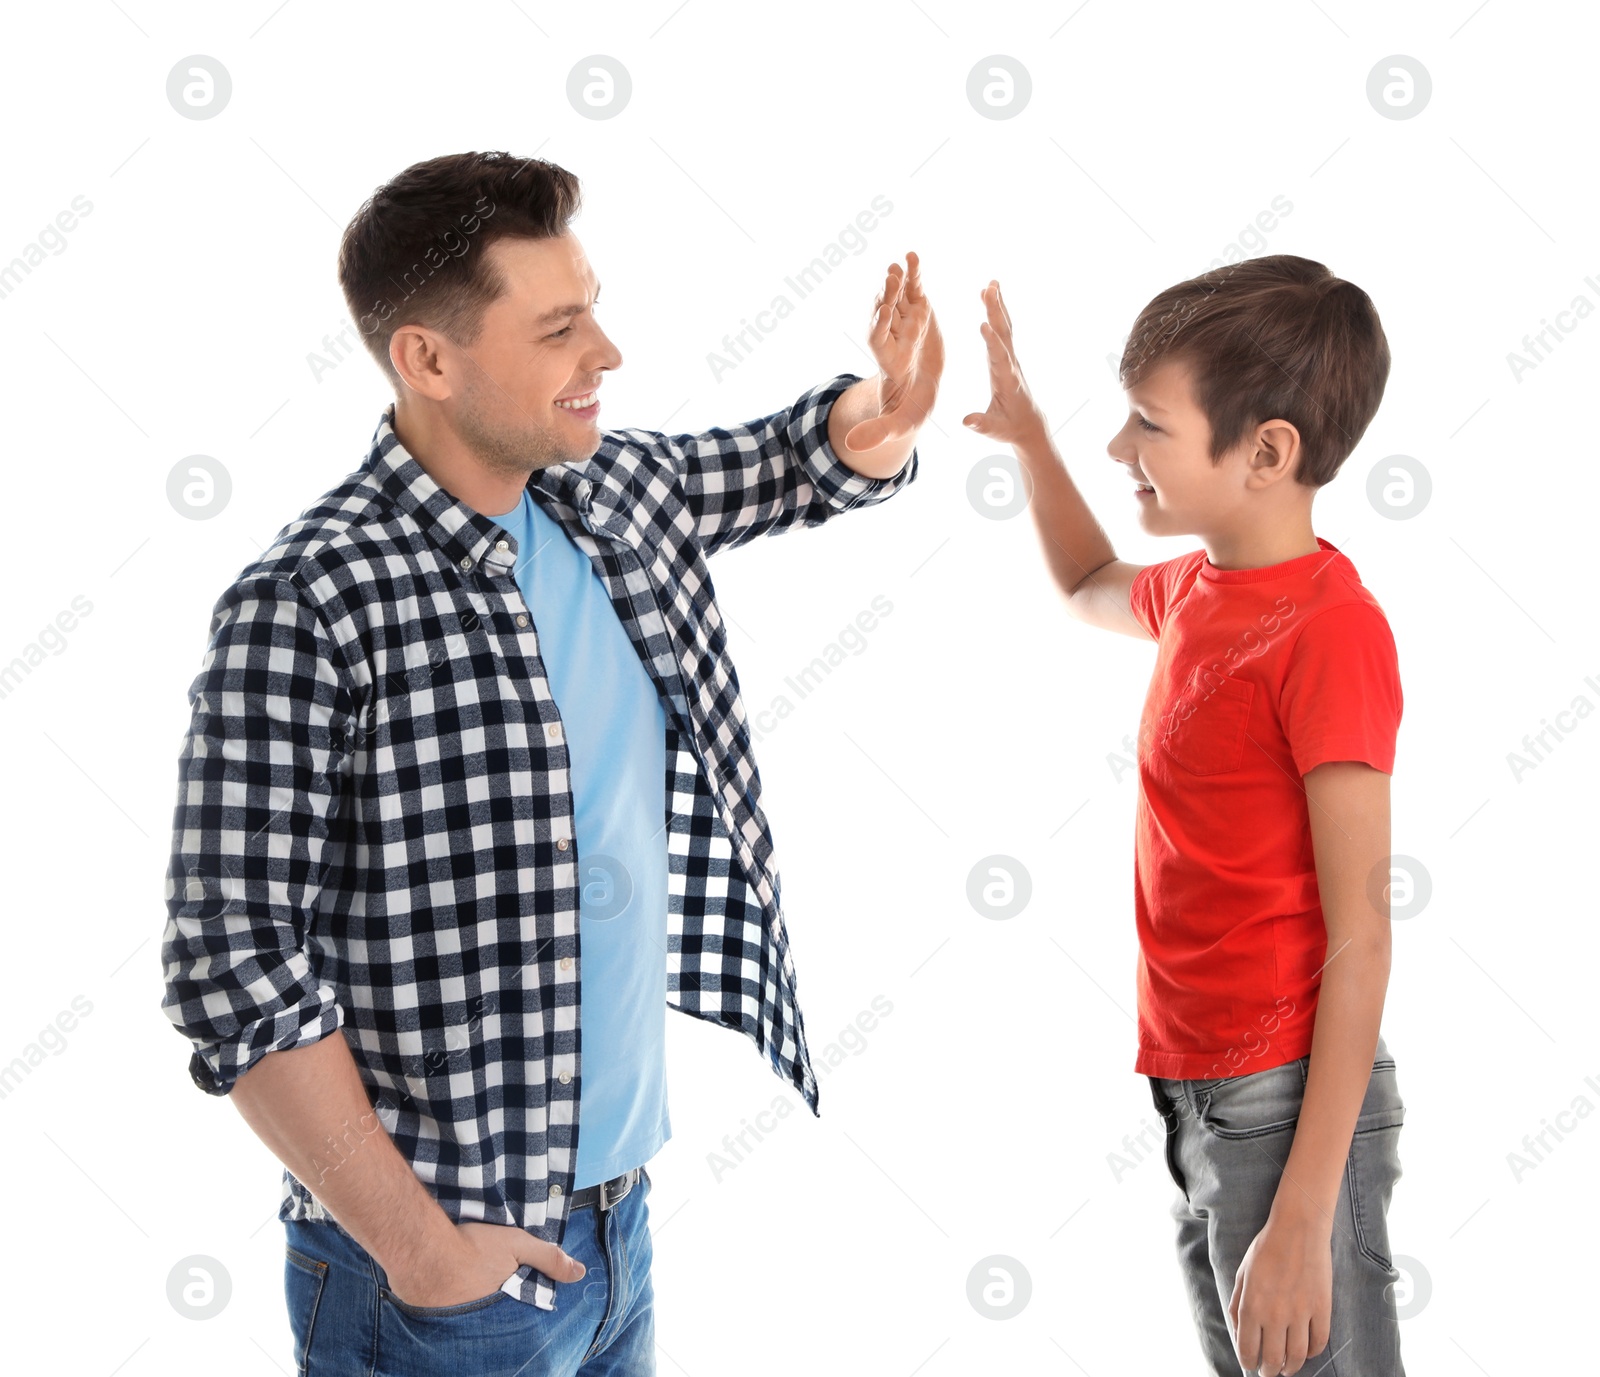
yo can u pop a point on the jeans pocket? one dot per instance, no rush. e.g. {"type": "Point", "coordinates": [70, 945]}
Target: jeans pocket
{"type": "Point", "coordinates": [1382, 1106]}
{"type": "Point", "coordinates": [1374, 1164]}
{"type": "Point", "coordinates": [441, 1312]}
{"type": "Point", "coordinates": [1256, 1104]}
{"type": "Point", "coordinates": [303, 1280]}
{"type": "Point", "coordinates": [1169, 1111]}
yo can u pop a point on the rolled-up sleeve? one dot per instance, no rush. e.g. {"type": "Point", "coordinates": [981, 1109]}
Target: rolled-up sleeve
{"type": "Point", "coordinates": [260, 779]}
{"type": "Point", "coordinates": [770, 474]}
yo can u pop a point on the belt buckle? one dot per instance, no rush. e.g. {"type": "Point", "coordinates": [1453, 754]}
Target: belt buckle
{"type": "Point", "coordinates": [606, 1200]}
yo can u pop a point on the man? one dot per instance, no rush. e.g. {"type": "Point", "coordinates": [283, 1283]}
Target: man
{"type": "Point", "coordinates": [469, 781]}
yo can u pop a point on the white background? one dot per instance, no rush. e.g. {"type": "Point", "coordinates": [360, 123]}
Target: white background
{"type": "Point", "coordinates": [978, 1118]}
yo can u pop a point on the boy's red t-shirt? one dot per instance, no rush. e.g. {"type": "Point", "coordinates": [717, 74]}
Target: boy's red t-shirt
{"type": "Point", "coordinates": [1260, 675]}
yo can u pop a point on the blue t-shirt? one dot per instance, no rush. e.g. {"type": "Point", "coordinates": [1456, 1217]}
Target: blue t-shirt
{"type": "Point", "coordinates": [615, 730]}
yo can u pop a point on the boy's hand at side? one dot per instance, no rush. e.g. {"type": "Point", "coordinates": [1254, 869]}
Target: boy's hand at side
{"type": "Point", "coordinates": [1282, 1303]}
{"type": "Point", "coordinates": [1013, 417]}
{"type": "Point", "coordinates": [1282, 1296]}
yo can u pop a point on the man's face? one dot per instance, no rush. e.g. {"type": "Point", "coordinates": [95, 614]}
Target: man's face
{"type": "Point", "coordinates": [1166, 443]}
{"type": "Point", "coordinates": [540, 349]}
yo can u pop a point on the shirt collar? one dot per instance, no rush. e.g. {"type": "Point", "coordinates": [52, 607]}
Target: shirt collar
{"type": "Point", "coordinates": [1325, 552]}
{"type": "Point", "coordinates": [467, 537]}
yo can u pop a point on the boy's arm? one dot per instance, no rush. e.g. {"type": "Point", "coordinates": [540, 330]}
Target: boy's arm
{"type": "Point", "coordinates": [1284, 1285]}
{"type": "Point", "coordinates": [1095, 583]}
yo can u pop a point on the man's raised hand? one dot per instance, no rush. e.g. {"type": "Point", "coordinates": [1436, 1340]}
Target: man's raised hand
{"type": "Point", "coordinates": [909, 350]}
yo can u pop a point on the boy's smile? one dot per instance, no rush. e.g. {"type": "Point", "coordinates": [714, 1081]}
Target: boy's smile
{"type": "Point", "coordinates": [1164, 445]}
{"type": "Point", "coordinates": [1246, 505]}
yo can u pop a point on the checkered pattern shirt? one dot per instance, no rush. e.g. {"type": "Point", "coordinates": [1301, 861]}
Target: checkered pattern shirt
{"type": "Point", "coordinates": [374, 823]}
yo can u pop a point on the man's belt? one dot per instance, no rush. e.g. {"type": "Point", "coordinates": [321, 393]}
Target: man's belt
{"type": "Point", "coordinates": [607, 1193]}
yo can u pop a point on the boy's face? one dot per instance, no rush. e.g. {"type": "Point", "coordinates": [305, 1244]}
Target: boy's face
{"type": "Point", "coordinates": [1166, 443]}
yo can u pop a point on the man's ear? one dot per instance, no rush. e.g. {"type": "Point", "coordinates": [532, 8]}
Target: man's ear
{"type": "Point", "coordinates": [414, 352]}
{"type": "Point", "coordinates": [1277, 453]}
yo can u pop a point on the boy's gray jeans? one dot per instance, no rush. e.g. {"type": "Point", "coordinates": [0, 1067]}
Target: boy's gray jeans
{"type": "Point", "coordinates": [1227, 1142]}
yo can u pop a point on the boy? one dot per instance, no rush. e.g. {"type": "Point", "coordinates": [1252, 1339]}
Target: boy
{"type": "Point", "coordinates": [1262, 838]}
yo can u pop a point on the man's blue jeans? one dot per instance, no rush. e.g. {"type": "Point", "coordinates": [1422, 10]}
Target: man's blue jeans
{"type": "Point", "coordinates": [1227, 1142]}
{"type": "Point", "coordinates": [347, 1323]}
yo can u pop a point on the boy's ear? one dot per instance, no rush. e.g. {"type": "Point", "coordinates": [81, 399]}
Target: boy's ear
{"type": "Point", "coordinates": [1277, 452]}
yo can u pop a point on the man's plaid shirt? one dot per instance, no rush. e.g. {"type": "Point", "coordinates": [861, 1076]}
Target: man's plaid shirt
{"type": "Point", "coordinates": [374, 825]}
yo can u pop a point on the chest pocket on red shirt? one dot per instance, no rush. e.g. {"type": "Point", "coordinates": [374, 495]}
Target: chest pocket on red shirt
{"type": "Point", "coordinates": [1204, 731]}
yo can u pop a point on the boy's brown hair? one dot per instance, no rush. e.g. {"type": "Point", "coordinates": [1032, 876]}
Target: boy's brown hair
{"type": "Point", "coordinates": [414, 252]}
{"type": "Point", "coordinates": [1271, 337]}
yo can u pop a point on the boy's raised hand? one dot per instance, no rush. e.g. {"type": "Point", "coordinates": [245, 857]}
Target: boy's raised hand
{"type": "Point", "coordinates": [1012, 416]}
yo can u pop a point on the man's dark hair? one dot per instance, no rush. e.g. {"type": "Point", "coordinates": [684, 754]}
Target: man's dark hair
{"type": "Point", "coordinates": [1272, 337]}
{"type": "Point", "coordinates": [414, 253]}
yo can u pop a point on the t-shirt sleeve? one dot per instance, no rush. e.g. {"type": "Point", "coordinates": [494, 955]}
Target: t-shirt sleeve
{"type": "Point", "coordinates": [1156, 587]}
{"type": "Point", "coordinates": [1341, 695]}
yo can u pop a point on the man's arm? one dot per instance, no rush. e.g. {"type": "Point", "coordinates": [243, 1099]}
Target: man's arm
{"type": "Point", "coordinates": [770, 474]}
{"type": "Point", "coordinates": [309, 1107]}
{"type": "Point", "coordinates": [1094, 582]}
{"type": "Point", "coordinates": [838, 447]}
{"type": "Point", "coordinates": [862, 401]}
{"type": "Point", "coordinates": [874, 425]}
{"type": "Point", "coordinates": [259, 784]}
{"type": "Point", "coordinates": [1283, 1293]}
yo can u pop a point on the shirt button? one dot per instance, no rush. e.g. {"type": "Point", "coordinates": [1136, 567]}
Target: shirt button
{"type": "Point", "coordinates": [522, 618]}
{"type": "Point", "coordinates": [561, 845]}
{"type": "Point", "coordinates": [565, 1077]}
{"type": "Point", "coordinates": [466, 561]}
{"type": "Point", "coordinates": [555, 1192]}
{"type": "Point", "coordinates": [501, 545]}
{"type": "Point", "coordinates": [555, 731]}
{"type": "Point", "coordinates": [566, 963]}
